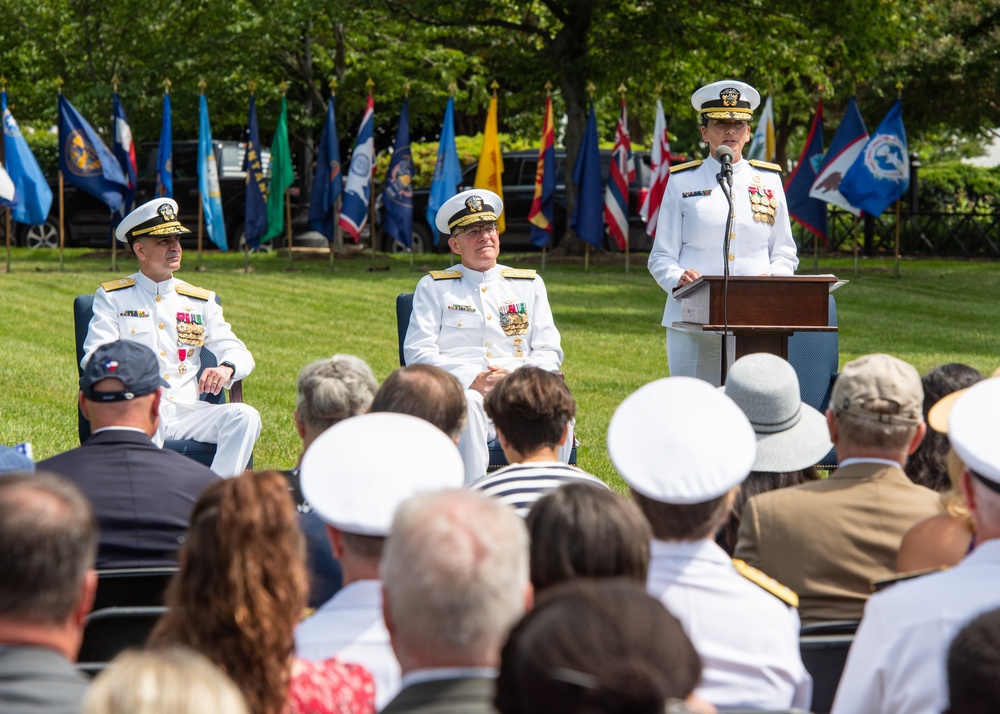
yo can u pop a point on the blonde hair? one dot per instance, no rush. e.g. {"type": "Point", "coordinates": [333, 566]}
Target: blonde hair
{"type": "Point", "coordinates": [167, 680]}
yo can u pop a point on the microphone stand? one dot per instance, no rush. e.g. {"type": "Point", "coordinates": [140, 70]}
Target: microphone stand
{"type": "Point", "coordinates": [725, 179]}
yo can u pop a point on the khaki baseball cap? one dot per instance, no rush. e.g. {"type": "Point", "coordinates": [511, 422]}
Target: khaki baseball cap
{"type": "Point", "coordinates": [879, 387]}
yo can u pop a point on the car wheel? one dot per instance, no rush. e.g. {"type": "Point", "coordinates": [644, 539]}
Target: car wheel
{"type": "Point", "coordinates": [43, 236]}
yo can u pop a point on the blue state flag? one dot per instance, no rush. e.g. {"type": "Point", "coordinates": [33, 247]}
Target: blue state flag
{"type": "Point", "coordinates": [447, 170]}
{"type": "Point", "coordinates": [255, 215]}
{"type": "Point", "coordinates": [208, 180]}
{"type": "Point", "coordinates": [881, 173]}
{"type": "Point", "coordinates": [398, 196]}
{"type": "Point", "coordinates": [357, 192]}
{"type": "Point", "coordinates": [809, 212]}
{"type": "Point", "coordinates": [165, 155]}
{"type": "Point", "coordinates": [328, 180]}
{"type": "Point", "coordinates": [588, 211]}
{"type": "Point", "coordinates": [124, 150]}
{"type": "Point", "coordinates": [847, 144]}
{"type": "Point", "coordinates": [85, 160]}
{"type": "Point", "coordinates": [32, 195]}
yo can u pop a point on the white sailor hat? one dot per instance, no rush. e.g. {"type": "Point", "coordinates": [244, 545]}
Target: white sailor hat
{"type": "Point", "coordinates": [681, 441]}
{"type": "Point", "coordinates": [477, 205]}
{"type": "Point", "coordinates": [728, 99]}
{"type": "Point", "coordinates": [972, 430]}
{"type": "Point", "coordinates": [153, 218]}
{"type": "Point", "coordinates": [357, 472]}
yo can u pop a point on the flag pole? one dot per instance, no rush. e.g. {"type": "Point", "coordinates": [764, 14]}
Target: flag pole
{"type": "Point", "coordinates": [336, 204]}
{"type": "Point", "coordinates": [899, 95]}
{"type": "Point", "coordinates": [62, 203]}
{"type": "Point", "coordinates": [591, 88]}
{"type": "Point", "coordinates": [252, 85]}
{"type": "Point", "coordinates": [406, 95]}
{"type": "Point", "coordinates": [201, 204]}
{"type": "Point", "coordinates": [7, 217]}
{"type": "Point", "coordinates": [371, 189]}
{"type": "Point", "coordinates": [114, 240]}
{"type": "Point", "coordinates": [287, 201]}
{"type": "Point", "coordinates": [854, 240]}
{"type": "Point", "coordinates": [621, 91]}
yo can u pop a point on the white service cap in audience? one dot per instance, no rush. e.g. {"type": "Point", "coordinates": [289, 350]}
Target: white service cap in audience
{"type": "Point", "coordinates": [973, 429]}
{"type": "Point", "coordinates": [682, 441]}
{"type": "Point", "coordinates": [357, 472]}
{"type": "Point", "coordinates": [791, 435]}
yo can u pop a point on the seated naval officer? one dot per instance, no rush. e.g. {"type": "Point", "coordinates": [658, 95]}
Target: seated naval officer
{"type": "Point", "coordinates": [480, 320]}
{"type": "Point", "coordinates": [177, 320]}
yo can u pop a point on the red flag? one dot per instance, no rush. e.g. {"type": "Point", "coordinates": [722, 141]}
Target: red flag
{"type": "Point", "coordinates": [540, 215]}
{"type": "Point", "coordinates": [659, 167]}
{"type": "Point", "coordinates": [622, 174]}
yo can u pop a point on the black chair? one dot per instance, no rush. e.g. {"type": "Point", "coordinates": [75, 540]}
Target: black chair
{"type": "Point", "coordinates": [404, 308]}
{"type": "Point", "coordinates": [824, 649]}
{"type": "Point", "coordinates": [113, 629]}
{"type": "Point", "coordinates": [816, 357]}
{"type": "Point", "coordinates": [131, 587]}
{"type": "Point", "coordinates": [83, 311]}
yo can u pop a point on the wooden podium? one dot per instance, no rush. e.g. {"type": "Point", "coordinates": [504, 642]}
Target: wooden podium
{"type": "Point", "coordinates": [763, 311]}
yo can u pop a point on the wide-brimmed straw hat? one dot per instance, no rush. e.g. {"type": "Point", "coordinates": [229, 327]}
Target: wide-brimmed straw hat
{"type": "Point", "coordinates": [791, 435]}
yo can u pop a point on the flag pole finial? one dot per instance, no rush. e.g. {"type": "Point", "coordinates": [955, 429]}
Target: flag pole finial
{"type": "Point", "coordinates": [283, 87]}
{"type": "Point", "coordinates": [59, 84]}
{"type": "Point", "coordinates": [899, 90]}
{"type": "Point", "coordinates": [591, 88]}
{"type": "Point", "coordinates": [452, 88]}
{"type": "Point", "coordinates": [370, 84]}
{"type": "Point", "coordinates": [333, 86]}
{"type": "Point", "coordinates": [3, 84]}
{"type": "Point", "coordinates": [621, 89]}
{"type": "Point", "coordinates": [548, 89]}
{"type": "Point", "coordinates": [166, 86]}
{"type": "Point", "coordinates": [252, 86]}
{"type": "Point", "coordinates": [658, 91]}
{"type": "Point", "coordinates": [202, 84]}
{"type": "Point", "coordinates": [114, 82]}
{"type": "Point", "coordinates": [406, 90]}
{"type": "Point", "coordinates": [494, 85]}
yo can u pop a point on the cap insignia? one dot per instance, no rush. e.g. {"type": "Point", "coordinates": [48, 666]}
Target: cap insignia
{"type": "Point", "coordinates": [111, 365]}
{"type": "Point", "coordinates": [729, 97]}
{"type": "Point", "coordinates": [474, 204]}
{"type": "Point", "coordinates": [166, 212]}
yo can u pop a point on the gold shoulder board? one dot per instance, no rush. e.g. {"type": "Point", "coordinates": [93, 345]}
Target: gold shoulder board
{"type": "Point", "coordinates": [519, 274]}
{"type": "Point", "coordinates": [192, 291]}
{"type": "Point", "coordinates": [111, 285]}
{"type": "Point", "coordinates": [765, 581]}
{"type": "Point", "coordinates": [684, 167]}
{"type": "Point", "coordinates": [765, 165]}
{"type": "Point", "coordinates": [445, 274]}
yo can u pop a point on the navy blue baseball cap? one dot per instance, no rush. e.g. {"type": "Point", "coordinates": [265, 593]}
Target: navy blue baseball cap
{"type": "Point", "coordinates": [135, 365]}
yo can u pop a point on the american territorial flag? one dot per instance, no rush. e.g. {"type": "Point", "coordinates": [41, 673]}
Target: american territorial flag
{"type": "Point", "coordinates": [622, 174]}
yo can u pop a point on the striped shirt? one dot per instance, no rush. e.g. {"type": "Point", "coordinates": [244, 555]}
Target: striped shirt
{"type": "Point", "coordinates": [520, 485]}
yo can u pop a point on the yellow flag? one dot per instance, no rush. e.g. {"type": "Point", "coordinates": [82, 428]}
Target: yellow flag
{"type": "Point", "coordinates": [490, 170]}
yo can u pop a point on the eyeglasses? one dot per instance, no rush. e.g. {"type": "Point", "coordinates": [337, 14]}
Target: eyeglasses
{"type": "Point", "coordinates": [478, 231]}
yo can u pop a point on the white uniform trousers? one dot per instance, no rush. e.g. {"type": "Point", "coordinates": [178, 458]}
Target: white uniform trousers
{"type": "Point", "coordinates": [473, 444]}
{"type": "Point", "coordinates": [691, 354]}
{"type": "Point", "coordinates": [233, 427]}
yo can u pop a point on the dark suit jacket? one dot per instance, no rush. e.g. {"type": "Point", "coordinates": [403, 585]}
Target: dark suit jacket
{"type": "Point", "coordinates": [142, 495]}
{"type": "Point", "coordinates": [828, 539]}
{"type": "Point", "coordinates": [39, 680]}
{"type": "Point", "coordinates": [469, 695]}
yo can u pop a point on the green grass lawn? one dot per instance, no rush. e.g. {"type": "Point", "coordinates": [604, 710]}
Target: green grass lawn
{"type": "Point", "coordinates": [937, 311]}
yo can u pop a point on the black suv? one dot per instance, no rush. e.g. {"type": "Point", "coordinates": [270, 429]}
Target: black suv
{"type": "Point", "coordinates": [518, 193]}
{"type": "Point", "coordinates": [88, 220]}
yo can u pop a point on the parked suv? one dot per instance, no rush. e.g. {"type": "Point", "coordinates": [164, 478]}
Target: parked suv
{"type": "Point", "coordinates": [88, 220]}
{"type": "Point", "coordinates": [518, 194]}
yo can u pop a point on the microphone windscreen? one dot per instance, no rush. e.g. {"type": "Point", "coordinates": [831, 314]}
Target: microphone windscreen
{"type": "Point", "coordinates": [723, 154]}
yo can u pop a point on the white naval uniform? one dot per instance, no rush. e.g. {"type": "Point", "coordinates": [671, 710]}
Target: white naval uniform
{"type": "Point", "coordinates": [455, 325]}
{"type": "Point", "coordinates": [748, 639]}
{"type": "Point", "coordinates": [897, 662]}
{"type": "Point", "coordinates": [149, 313]}
{"type": "Point", "coordinates": [350, 626]}
{"type": "Point", "coordinates": [690, 230]}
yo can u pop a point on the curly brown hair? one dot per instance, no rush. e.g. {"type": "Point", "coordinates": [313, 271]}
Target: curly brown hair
{"type": "Point", "coordinates": [242, 585]}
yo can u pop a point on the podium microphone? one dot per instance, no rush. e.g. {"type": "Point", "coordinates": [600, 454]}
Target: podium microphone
{"type": "Point", "coordinates": [724, 155]}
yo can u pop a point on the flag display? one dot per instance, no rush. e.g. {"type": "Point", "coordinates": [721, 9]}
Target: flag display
{"type": "Point", "coordinates": [6, 188]}
{"type": "Point", "coordinates": [208, 179]}
{"type": "Point", "coordinates": [540, 215]}
{"type": "Point", "coordinates": [282, 176]}
{"type": "Point", "coordinates": [357, 192]}
{"type": "Point", "coordinates": [847, 143]}
{"type": "Point", "coordinates": [124, 150]}
{"type": "Point", "coordinates": [586, 220]}
{"type": "Point", "coordinates": [809, 212]}
{"type": "Point", "coordinates": [32, 195]}
{"type": "Point", "coordinates": [489, 171]}
{"type": "Point", "coordinates": [881, 173]}
{"type": "Point", "coordinates": [659, 168]}
{"type": "Point", "coordinates": [328, 180]}
{"type": "Point", "coordinates": [764, 147]}
{"type": "Point", "coordinates": [447, 170]}
{"type": "Point", "coordinates": [165, 155]}
{"type": "Point", "coordinates": [85, 160]}
{"type": "Point", "coordinates": [255, 208]}
{"type": "Point", "coordinates": [398, 195]}
{"type": "Point", "coordinates": [622, 174]}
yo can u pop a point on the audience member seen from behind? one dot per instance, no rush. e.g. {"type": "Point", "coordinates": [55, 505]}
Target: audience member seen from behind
{"type": "Point", "coordinates": [792, 437]}
{"type": "Point", "coordinates": [48, 540]}
{"type": "Point", "coordinates": [928, 464]}
{"type": "Point", "coordinates": [533, 410]}
{"type": "Point", "coordinates": [599, 647]}
{"type": "Point", "coordinates": [582, 531]}
{"type": "Point", "coordinates": [239, 593]}
{"type": "Point", "coordinates": [829, 539]}
{"type": "Point", "coordinates": [455, 579]}
{"type": "Point", "coordinates": [166, 680]}
{"type": "Point", "coordinates": [973, 664]}
{"type": "Point", "coordinates": [684, 447]}
{"type": "Point", "coordinates": [329, 391]}
{"type": "Point", "coordinates": [426, 392]}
